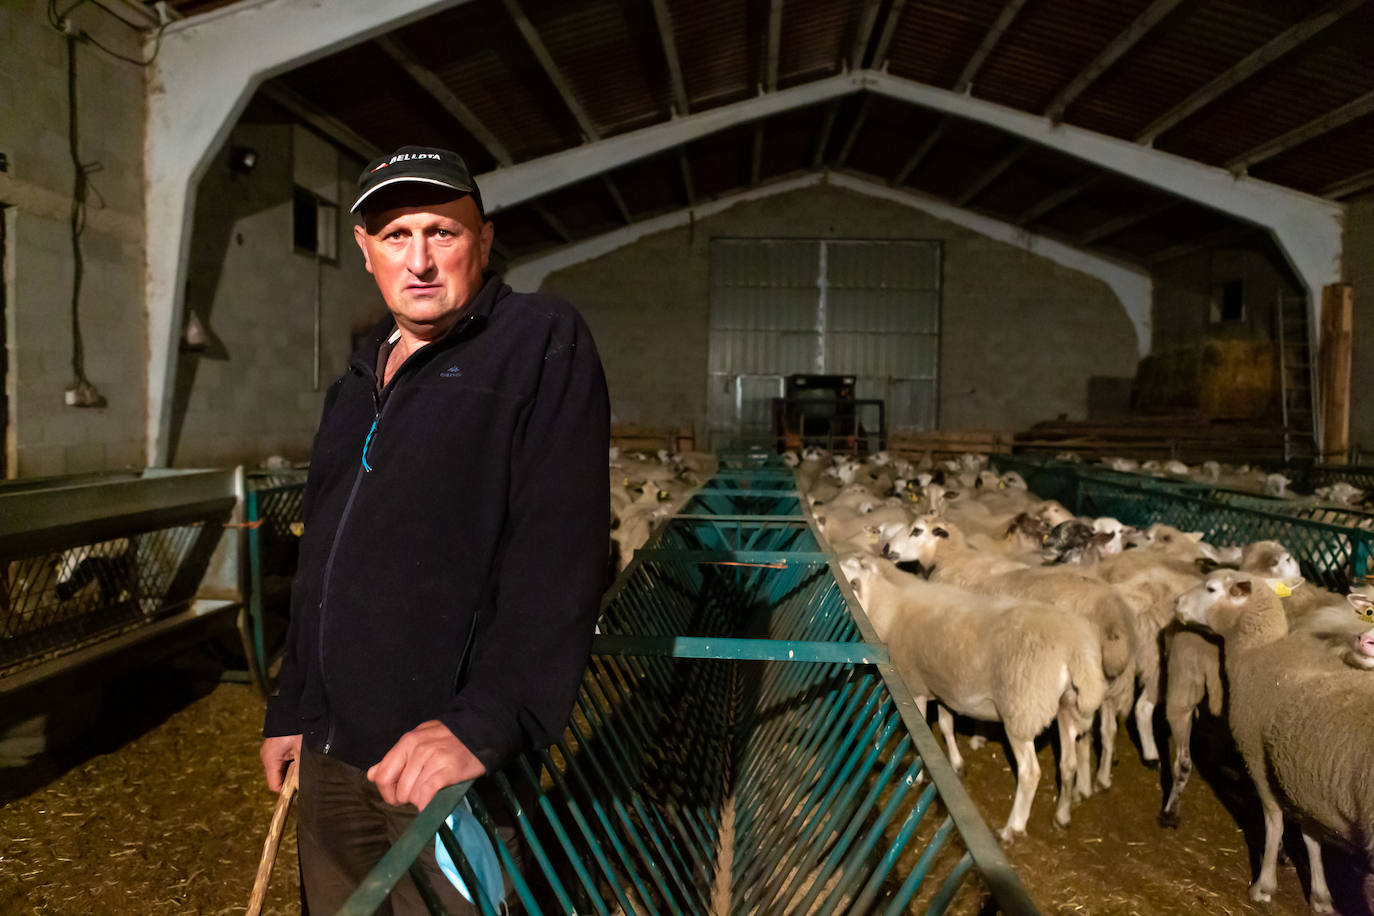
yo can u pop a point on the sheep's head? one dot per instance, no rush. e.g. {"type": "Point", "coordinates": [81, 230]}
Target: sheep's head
{"type": "Point", "coordinates": [1052, 513]}
{"type": "Point", "coordinates": [1027, 531]}
{"type": "Point", "coordinates": [1074, 542]}
{"type": "Point", "coordinates": [920, 541]}
{"type": "Point", "coordinates": [1269, 558]}
{"type": "Point", "coordinates": [1116, 535]}
{"type": "Point", "coordinates": [859, 571]}
{"type": "Point", "coordinates": [1227, 593]}
{"type": "Point", "coordinates": [1162, 535]}
{"type": "Point", "coordinates": [1014, 481]}
{"type": "Point", "coordinates": [1363, 602]}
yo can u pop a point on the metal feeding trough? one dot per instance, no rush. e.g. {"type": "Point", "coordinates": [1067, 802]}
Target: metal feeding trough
{"type": "Point", "coordinates": [740, 745]}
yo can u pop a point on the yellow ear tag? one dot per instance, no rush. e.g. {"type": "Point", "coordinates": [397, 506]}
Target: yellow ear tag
{"type": "Point", "coordinates": [872, 537]}
{"type": "Point", "coordinates": [1367, 615]}
{"type": "Point", "coordinates": [1282, 590]}
{"type": "Point", "coordinates": [298, 528]}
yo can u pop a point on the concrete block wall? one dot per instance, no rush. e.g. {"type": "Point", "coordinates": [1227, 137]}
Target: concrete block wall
{"type": "Point", "coordinates": [1359, 272]}
{"type": "Point", "coordinates": [251, 394]}
{"type": "Point", "coordinates": [1183, 294]}
{"type": "Point", "coordinates": [1020, 337]}
{"type": "Point", "coordinates": [46, 437]}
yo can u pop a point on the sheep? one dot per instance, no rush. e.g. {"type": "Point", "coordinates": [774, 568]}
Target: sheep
{"type": "Point", "coordinates": [1193, 671]}
{"type": "Point", "coordinates": [942, 548]}
{"type": "Point", "coordinates": [1347, 636]}
{"type": "Point", "coordinates": [994, 659]}
{"type": "Point", "coordinates": [1341, 493]}
{"type": "Point", "coordinates": [1304, 724]}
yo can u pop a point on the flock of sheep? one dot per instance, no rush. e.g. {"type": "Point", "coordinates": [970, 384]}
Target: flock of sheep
{"type": "Point", "coordinates": [1005, 608]}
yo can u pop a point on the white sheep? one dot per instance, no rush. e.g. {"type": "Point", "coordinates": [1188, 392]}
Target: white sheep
{"type": "Point", "coordinates": [1304, 724]}
{"type": "Point", "coordinates": [1005, 660]}
{"type": "Point", "coordinates": [942, 548]}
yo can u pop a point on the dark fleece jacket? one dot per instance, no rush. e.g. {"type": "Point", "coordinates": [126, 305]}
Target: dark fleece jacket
{"type": "Point", "coordinates": [455, 539]}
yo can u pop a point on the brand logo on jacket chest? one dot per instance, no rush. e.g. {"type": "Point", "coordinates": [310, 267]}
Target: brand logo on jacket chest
{"type": "Point", "coordinates": [451, 372]}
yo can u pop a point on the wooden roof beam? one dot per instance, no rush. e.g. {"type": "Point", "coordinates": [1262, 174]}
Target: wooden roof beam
{"type": "Point", "coordinates": [1142, 26]}
{"type": "Point", "coordinates": [617, 198]}
{"type": "Point", "coordinates": [994, 35]}
{"type": "Point", "coordinates": [770, 76]}
{"type": "Point", "coordinates": [665, 34]}
{"type": "Point", "coordinates": [867, 19]}
{"type": "Point", "coordinates": [991, 174]}
{"type": "Point", "coordinates": [686, 169]}
{"type": "Point", "coordinates": [1113, 226]}
{"type": "Point", "coordinates": [894, 14]}
{"type": "Point", "coordinates": [827, 125]}
{"type": "Point", "coordinates": [560, 83]}
{"type": "Point", "coordinates": [1062, 196]}
{"type": "Point", "coordinates": [756, 162]}
{"type": "Point", "coordinates": [1352, 185]}
{"type": "Point", "coordinates": [922, 151]}
{"type": "Point", "coordinates": [1253, 63]}
{"type": "Point", "coordinates": [1300, 135]}
{"type": "Point", "coordinates": [1219, 239]}
{"type": "Point", "coordinates": [331, 127]}
{"type": "Point", "coordinates": [855, 129]}
{"type": "Point", "coordinates": [437, 90]}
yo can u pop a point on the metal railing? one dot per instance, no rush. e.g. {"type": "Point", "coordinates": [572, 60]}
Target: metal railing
{"type": "Point", "coordinates": [1333, 546]}
{"type": "Point", "coordinates": [740, 744]}
{"type": "Point", "coordinates": [273, 504]}
{"type": "Point", "coordinates": [91, 565]}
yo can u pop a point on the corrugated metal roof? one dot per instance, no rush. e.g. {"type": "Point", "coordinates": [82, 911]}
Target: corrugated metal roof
{"type": "Point", "coordinates": [610, 53]}
{"type": "Point", "coordinates": [1050, 43]}
{"type": "Point", "coordinates": [605, 51]}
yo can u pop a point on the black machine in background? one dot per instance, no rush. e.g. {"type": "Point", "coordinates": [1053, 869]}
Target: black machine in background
{"type": "Point", "coordinates": [821, 411]}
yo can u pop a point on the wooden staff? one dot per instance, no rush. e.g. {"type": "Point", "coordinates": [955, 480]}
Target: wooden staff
{"type": "Point", "coordinates": [269, 848]}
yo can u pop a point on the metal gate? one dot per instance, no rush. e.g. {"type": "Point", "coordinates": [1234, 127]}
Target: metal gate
{"type": "Point", "coordinates": [867, 308]}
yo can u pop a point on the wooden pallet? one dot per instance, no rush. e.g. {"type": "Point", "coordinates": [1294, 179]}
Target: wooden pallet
{"type": "Point", "coordinates": [636, 437]}
{"type": "Point", "coordinates": [946, 443]}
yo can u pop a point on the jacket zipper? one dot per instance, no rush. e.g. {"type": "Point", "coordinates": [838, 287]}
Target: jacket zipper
{"type": "Point", "coordinates": [363, 468]}
{"type": "Point", "coordinates": [379, 410]}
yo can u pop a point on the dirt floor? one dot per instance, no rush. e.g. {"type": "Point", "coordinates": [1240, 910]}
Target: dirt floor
{"type": "Point", "coordinates": [163, 811]}
{"type": "Point", "coordinates": [1115, 859]}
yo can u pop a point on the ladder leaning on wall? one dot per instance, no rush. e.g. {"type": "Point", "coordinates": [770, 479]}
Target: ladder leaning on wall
{"type": "Point", "coordinates": [1297, 374]}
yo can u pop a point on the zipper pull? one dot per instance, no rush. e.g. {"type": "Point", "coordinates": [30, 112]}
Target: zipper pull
{"type": "Point", "coordinates": [368, 441]}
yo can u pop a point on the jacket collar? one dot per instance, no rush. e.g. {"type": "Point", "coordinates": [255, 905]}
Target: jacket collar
{"type": "Point", "coordinates": [476, 312]}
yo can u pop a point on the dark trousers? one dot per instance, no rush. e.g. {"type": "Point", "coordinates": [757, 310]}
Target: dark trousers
{"type": "Point", "coordinates": [344, 828]}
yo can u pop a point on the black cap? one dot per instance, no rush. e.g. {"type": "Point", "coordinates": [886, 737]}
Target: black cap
{"type": "Point", "coordinates": [422, 164]}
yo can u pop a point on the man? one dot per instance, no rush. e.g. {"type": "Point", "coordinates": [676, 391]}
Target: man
{"type": "Point", "coordinates": [455, 536]}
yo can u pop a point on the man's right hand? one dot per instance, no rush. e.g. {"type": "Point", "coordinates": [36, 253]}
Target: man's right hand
{"type": "Point", "coordinates": [277, 754]}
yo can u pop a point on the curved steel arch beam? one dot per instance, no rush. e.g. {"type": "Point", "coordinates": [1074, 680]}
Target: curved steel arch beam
{"type": "Point", "coordinates": [210, 64]}
{"type": "Point", "coordinates": [207, 68]}
{"type": "Point", "coordinates": [1131, 284]}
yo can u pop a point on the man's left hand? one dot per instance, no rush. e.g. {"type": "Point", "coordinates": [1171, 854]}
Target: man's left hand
{"type": "Point", "coordinates": [423, 761]}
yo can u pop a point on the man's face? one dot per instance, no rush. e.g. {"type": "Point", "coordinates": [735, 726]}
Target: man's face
{"type": "Point", "coordinates": [427, 256]}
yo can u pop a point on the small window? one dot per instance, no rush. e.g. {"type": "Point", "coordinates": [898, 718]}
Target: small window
{"type": "Point", "coordinates": [1228, 301]}
{"type": "Point", "coordinates": [315, 225]}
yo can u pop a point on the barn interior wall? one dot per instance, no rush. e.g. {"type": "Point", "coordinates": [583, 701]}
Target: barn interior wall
{"type": "Point", "coordinates": [48, 437]}
{"type": "Point", "coordinates": [1359, 272]}
{"type": "Point", "coordinates": [251, 393]}
{"type": "Point", "coordinates": [1013, 324]}
{"type": "Point", "coordinates": [1184, 289]}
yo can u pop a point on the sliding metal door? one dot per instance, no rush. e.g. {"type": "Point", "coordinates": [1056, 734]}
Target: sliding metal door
{"type": "Point", "coordinates": [854, 307]}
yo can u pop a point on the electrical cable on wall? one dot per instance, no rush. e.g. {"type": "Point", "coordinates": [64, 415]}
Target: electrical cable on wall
{"type": "Point", "coordinates": [82, 393]}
